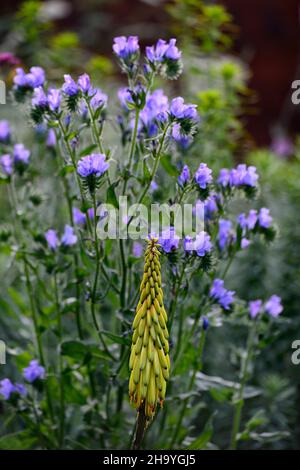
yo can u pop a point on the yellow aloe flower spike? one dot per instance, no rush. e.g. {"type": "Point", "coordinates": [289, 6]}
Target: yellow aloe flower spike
{"type": "Point", "coordinates": [149, 361]}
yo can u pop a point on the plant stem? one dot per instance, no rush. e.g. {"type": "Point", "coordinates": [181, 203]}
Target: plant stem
{"type": "Point", "coordinates": [61, 366]}
{"type": "Point", "coordinates": [140, 429]}
{"type": "Point", "coordinates": [197, 368]}
{"type": "Point", "coordinates": [239, 404]}
{"type": "Point", "coordinates": [132, 146]}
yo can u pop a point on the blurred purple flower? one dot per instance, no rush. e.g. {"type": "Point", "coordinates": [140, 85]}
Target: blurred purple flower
{"type": "Point", "coordinates": [51, 239]}
{"type": "Point", "coordinates": [6, 388]}
{"type": "Point", "coordinates": [282, 146]}
{"type": "Point", "coordinates": [7, 58]}
{"type": "Point", "coordinates": [224, 297]}
{"type": "Point", "coordinates": [255, 308]}
{"type": "Point", "coordinates": [6, 163]}
{"type": "Point", "coordinates": [245, 243]}
{"type": "Point", "coordinates": [201, 244]}
{"type": "Point", "coordinates": [180, 110]}
{"type": "Point", "coordinates": [34, 371]}
{"type": "Point", "coordinates": [273, 306]}
{"type": "Point", "coordinates": [69, 238]}
{"type": "Point", "coordinates": [84, 83]}
{"type": "Point", "coordinates": [51, 138]}
{"type": "Point", "coordinates": [54, 99]}
{"type": "Point", "coordinates": [168, 240]}
{"type": "Point", "coordinates": [125, 97]}
{"type": "Point", "coordinates": [137, 249]}
{"type": "Point", "coordinates": [184, 176]}
{"type": "Point", "coordinates": [39, 98]}
{"type": "Point", "coordinates": [264, 218]}
{"type": "Point", "coordinates": [225, 235]}
{"type": "Point", "coordinates": [21, 154]}
{"type": "Point", "coordinates": [5, 131]}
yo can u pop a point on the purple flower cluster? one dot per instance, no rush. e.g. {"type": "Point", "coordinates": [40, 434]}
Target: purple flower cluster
{"type": "Point", "coordinates": [7, 388]}
{"type": "Point", "coordinates": [201, 244]}
{"type": "Point", "coordinates": [35, 78]}
{"type": "Point", "coordinates": [262, 218]}
{"type": "Point", "coordinates": [168, 240]}
{"type": "Point", "coordinates": [94, 164]}
{"type": "Point", "coordinates": [163, 50]}
{"type": "Point", "coordinates": [126, 48]}
{"type": "Point", "coordinates": [239, 176]}
{"type": "Point", "coordinates": [34, 371]}
{"type": "Point", "coordinates": [223, 296]}
{"type": "Point", "coordinates": [5, 131]}
{"type": "Point", "coordinates": [69, 238]}
{"type": "Point", "coordinates": [6, 163]}
{"type": "Point", "coordinates": [157, 105]}
{"type": "Point", "coordinates": [203, 176]}
{"type": "Point", "coordinates": [21, 154]}
{"type": "Point", "coordinates": [272, 307]}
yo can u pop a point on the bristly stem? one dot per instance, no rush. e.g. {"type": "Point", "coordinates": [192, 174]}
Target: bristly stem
{"type": "Point", "coordinates": [239, 403]}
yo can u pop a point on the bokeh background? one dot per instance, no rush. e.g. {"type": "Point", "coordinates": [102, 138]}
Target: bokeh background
{"type": "Point", "coordinates": [239, 65]}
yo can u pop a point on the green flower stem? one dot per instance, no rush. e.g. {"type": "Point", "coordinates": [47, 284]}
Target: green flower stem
{"type": "Point", "coordinates": [132, 147]}
{"type": "Point", "coordinates": [197, 368]}
{"type": "Point", "coordinates": [174, 301]}
{"type": "Point", "coordinates": [76, 261]}
{"type": "Point", "coordinates": [95, 283]}
{"type": "Point", "coordinates": [239, 403]}
{"type": "Point", "coordinates": [61, 366]}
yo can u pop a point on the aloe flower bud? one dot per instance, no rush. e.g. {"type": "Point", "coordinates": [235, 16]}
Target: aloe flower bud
{"type": "Point", "coordinates": [149, 360]}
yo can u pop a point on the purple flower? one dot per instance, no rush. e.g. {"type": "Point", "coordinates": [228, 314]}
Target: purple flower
{"type": "Point", "coordinates": [264, 218]}
{"type": "Point", "coordinates": [273, 306]}
{"type": "Point", "coordinates": [21, 154]}
{"type": "Point", "coordinates": [68, 238]}
{"type": "Point", "coordinates": [51, 239]}
{"type": "Point", "coordinates": [20, 79]}
{"type": "Point", "coordinates": [78, 216]}
{"type": "Point", "coordinates": [7, 58]}
{"type": "Point", "coordinates": [201, 244]}
{"type": "Point", "coordinates": [223, 178]}
{"type": "Point", "coordinates": [6, 388]}
{"type": "Point", "coordinates": [90, 213]}
{"type": "Point", "coordinates": [225, 234]}
{"type": "Point", "coordinates": [39, 98]}
{"type": "Point", "coordinates": [4, 131]}
{"type": "Point", "coordinates": [172, 52]}
{"type": "Point", "coordinates": [34, 371]}
{"type": "Point", "coordinates": [51, 138]}
{"type": "Point", "coordinates": [125, 97]}
{"type": "Point", "coordinates": [255, 308]}
{"type": "Point", "coordinates": [282, 146]}
{"type": "Point", "coordinates": [126, 47]}
{"type": "Point", "coordinates": [93, 164]}
{"type": "Point", "coordinates": [6, 163]}
{"type": "Point", "coordinates": [224, 297]}
{"type": "Point", "coordinates": [203, 175]}
{"type": "Point", "coordinates": [163, 50]}
{"type": "Point", "coordinates": [99, 99]}
{"type": "Point", "coordinates": [184, 176]}
{"type": "Point", "coordinates": [248, 222]}
{"type": "Point", "coordinates": [245, 243]}
{"type": "Point", "coordinates": [84, 83]}
{"type": "Point", "coordinates": [168, 240]}
{"type": "Point", "coordinates": [153, 186]}
{"type": "Point", "coordinates": [54, 99]}
{"type": "Point", "coordinates": [180, 110]}
{"type": "Point", "coordinates": [210, 206]}
{"type": "Point", "coordinates": [239, 176]}
{"type": "Point", "coordinates": [36, 77]}
{"type": "Point", "coordinates": [69, 87]}
{"type": "Point", "coordinates": [137, 249]}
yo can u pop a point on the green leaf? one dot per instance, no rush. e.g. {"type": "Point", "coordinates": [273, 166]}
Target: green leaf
{"type": "Point", "coordinates": [81, 351]}
{"type": "Point", "coordinates": [205, 436]}
{"type": "Point", "coordinates": [88, 150]}
{"type": "Point", "coordinates": [168, 165]}
{"type": "Point", "coordinates": [17, 441]}
{"type": "Point", "coordinates": [111, 196]}
{"type": "Point", "coordinates": [116, 338]}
